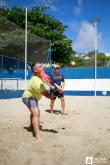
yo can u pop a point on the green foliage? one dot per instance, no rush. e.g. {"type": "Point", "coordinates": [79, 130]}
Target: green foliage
{"type": "Point", "coordinates": [79, 62]}
{"type": "Point", "coordinates": [45, 26]}
{"type": "Point", "coordinates": [101, 59]}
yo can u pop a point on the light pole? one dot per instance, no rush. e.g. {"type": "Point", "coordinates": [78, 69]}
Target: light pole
{"type": "Point", "coordinates": [48, 58]}
{"type": "Point", "coordinates": [25, 47]}
{"type": "Point", "coordinates": [50, 55]}
{"type": "Point", "coordinates": [95, 28]}
{"type": "Point", "coordinates": [95, 22]}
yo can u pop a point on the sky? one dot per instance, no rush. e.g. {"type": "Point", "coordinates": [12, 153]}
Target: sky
{"type": "Point", "coordinates": [77, 15]}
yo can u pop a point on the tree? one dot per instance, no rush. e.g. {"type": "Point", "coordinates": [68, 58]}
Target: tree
{"type": "Point", "coordinates": [45, 26]}
{"type": "Point", "coordinates": [101, 59]}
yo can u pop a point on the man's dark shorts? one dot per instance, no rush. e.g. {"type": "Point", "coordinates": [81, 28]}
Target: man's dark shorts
{"type": "Point", "coordinates": [57, 94]}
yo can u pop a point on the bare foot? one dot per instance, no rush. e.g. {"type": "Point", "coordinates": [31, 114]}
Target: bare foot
{"type": "Point", "coordinates": [63, 113]}
{"type": "Point", "coordinates": [38, 138]}
{"type": "Point", "coordinates": [51, 111]}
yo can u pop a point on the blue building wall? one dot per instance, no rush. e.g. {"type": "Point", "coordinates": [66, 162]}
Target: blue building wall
{"type": "Point", "coordinates": [83, 72]}
{"type": "Point", "coordinates": [7, 94]}
{"type": "Point", "coordinates": [69, 73]}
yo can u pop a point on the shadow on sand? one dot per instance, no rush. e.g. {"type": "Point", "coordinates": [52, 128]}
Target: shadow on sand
{"type": "Point", "coordinates": [54, 111]}
{"type": "Point", "coordinates": [30, 129]}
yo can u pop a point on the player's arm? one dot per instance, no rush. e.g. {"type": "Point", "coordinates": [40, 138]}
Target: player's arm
{"type": "Point", "coordinates": [60, 88]}
{"type": "Point", "coordinates": [51, 86]}
{"type": "Point", "coordinates": [45, 93]}
{"type": "Point", "coordinates": [48, 95]}
{"type": "Point", "coordinates": [63, 83]}
{"type": "Point", "coordinates": [56, 85]}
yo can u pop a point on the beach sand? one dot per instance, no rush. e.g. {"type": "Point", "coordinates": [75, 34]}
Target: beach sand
{"type": "Point", "coordinates": [66, 140]}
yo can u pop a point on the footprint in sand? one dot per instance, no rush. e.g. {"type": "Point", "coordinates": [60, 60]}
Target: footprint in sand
{"type": "Point", "coordinates": [97, 154]}
{"type": "Point", "coordinates": [76, 113]}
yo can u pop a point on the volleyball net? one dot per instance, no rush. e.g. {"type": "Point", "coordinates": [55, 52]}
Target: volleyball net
{"type": "Point", "coordinates": [12, 47]}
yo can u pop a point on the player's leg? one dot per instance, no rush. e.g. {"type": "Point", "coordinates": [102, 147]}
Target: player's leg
{"type": "Point", "coordinates": [62, 105]}
{"type": "Point", "coordinates": [31, 121]}
{"type": "Point", "coordinates": [52, 105]}
{"type": "Point", "coordinates": [61, 96]}
{"type": "Point", "coordinates": [36, 122]}
{"type": "Point", "coordinates": [32, 105]}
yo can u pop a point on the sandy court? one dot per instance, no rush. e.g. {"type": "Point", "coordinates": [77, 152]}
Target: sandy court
{"type": "Point", "coordinates": [66, 140]}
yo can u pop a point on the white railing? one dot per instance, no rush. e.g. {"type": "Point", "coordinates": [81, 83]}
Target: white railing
{"type": "Point", "coordinates": [12, 84]}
